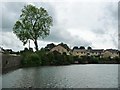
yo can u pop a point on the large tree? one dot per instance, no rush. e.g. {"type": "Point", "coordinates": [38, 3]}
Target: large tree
{"type": "Point", "coordinates": [34, 23]}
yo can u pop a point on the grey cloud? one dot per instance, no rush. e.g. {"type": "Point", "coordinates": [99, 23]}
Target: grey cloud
{"type": "Point", "coordinates": [10, 41]}
{"type": "Point", "coordinates": [109, 18]}
{"type": "Point", "coordinates": [119, 25]}
{"type": "Point", "coordinates": [107, 21]}
{"type": "Point", "coordinates": [10, 13]}
{"type": "Point", "coordinates": [12, 10]}
{"type": "Point", "coordinates": [58, 33]}
{"type": "Point", "coordinates": [99, 31]}
{"type": "Point", "coordinates": [61, 35]}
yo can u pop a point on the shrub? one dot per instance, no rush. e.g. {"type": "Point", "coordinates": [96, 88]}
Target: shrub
{"type": "Point", "coordinates": [31, 59]}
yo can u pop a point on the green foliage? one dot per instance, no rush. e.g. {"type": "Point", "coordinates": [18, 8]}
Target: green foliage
{"type": "Point", "coordinates": [82, 47]}
{"type": "Point", "coordinates": [49, 46]}
{"type": "Point", "coordinates": [86, 59]}
{"type": "Point", "coordinates": [89, 48]}
{"type": "Point", "coordinates": [31, 59]}
{"type": "Point", "coordinates": [75, 47]}
{"type": "Point", "coordinates": [34, 23]}
{"type": "Point", "coordinates": [42, 57]}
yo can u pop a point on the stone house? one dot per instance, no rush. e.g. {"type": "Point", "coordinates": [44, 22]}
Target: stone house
{"type": "Point", "coordinates": [111, 53]}
{"type": "Point", "coordinates": [79, 52]}
{"type": "Point", "coordinates": [95, 52]}
{"type": "Point", "coordinates": [60, 49]}
{"type": "Point", "coordinates": [84, 52]}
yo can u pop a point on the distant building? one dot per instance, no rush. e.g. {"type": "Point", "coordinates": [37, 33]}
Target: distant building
{"type": "Point", "coordinates": [96, 52]}
{"type": "Point", "coordinates": [111, 53]}
{"type": "Point", "coordinates": [60, 49]}
{"type": "Point", "coordinates": [84, 52]}
{"type": "Point", "coordinates": [79, 52]}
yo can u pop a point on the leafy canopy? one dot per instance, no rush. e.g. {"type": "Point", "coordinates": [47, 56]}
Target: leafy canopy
{"type": "Point", "coordinates": [34, 23]}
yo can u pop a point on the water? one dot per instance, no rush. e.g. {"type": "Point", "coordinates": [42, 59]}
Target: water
{"type": "Point", "coordinates": [71, 76]}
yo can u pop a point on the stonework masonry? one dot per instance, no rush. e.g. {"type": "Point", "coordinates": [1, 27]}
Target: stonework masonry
{"type": "Point", "coordinates": [10, 62]}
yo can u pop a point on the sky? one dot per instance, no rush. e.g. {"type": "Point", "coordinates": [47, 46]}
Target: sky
{"type": "Point", "coordinates": [75, 22]}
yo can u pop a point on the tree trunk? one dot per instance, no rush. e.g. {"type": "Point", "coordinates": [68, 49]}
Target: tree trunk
{"type": "Point", "coordinates": [36, 45]}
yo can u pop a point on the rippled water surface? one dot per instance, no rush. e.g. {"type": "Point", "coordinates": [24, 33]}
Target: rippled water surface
{"type": "Point", "coordinates": [71, 76]}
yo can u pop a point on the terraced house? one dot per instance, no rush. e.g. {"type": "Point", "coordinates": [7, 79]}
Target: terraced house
{"type": "Point", "coordinates": [111, 53]}
{"type": "Point", "coordinates": [95, 52]}
{"type": "Point", "coordinates": [79, 52]}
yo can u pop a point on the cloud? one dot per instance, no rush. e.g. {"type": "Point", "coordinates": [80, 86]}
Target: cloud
{"type": "Point", "coordinates": [59, 34]}
{"type": "Point", "coordinates": [75, 23]}
{"type": "Point", "coordinates": [9, 40]}
{"type": "Point", "coordinates": [10, 13]}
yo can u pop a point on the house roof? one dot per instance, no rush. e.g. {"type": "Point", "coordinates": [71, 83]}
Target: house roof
{"type": "Point", "coordinates": [97, 50]}
{"type": "Point", "coordinates": [92, 50]}
{"type": "Point", "coordinates": [58, 46]}
{"type": "Point", "coordinates": [79, 50]}
{"type": "Point", "coordinates": [112, 50]}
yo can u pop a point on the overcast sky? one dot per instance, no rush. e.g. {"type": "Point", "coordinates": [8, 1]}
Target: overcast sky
{"type": "Point", "coordinates": [76, 23]}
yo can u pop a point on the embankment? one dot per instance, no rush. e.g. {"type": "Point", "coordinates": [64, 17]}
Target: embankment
{"type": "Point", "coordinates": [10, 62]}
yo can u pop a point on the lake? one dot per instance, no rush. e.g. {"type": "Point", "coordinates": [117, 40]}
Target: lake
{"type": "Point", "coordinates": [70, 76]}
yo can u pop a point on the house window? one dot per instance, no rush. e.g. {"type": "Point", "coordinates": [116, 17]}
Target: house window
{"type": "Point", "coordinates": [81, 52]}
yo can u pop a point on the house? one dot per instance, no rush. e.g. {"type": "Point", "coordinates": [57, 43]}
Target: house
{"type": "Point", "coordinates": [111, 53]}
{"type": "Point", "coordinates": [84, 52]}
{"type": "Point", "coordinates": [79, 52]}
{"type": "Point", "coordinates": [60, 49]}
{"type": "Point", "coordinates": [96, 52]}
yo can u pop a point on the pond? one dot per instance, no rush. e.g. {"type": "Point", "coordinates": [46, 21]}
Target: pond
{"type": "Point", "coordinates": [70, 76]}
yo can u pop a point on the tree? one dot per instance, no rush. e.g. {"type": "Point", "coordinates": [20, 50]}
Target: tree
{"type": "Point", "coordinates": [50, 46]}
{"type": "Point", "coordinates": [82, 47]}
{"type": "Point", "coordinates": [34, 23]}
{"type": "Point", "coordinates": [65, 46]}
{"type": "Point", "coordinates": [89, 48]}
{"type": "Point", "coordinates": [75, 47]}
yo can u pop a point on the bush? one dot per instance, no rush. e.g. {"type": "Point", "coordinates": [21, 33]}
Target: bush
{"type": "Point", "coordinates": [31, 59]}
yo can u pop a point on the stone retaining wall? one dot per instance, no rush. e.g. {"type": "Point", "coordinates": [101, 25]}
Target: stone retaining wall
{"type": "Point", "coordinates": [10, 62]}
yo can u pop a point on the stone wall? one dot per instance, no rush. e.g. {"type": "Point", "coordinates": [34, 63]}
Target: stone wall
{"type": "Point", "coordinates": [10, 62]}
